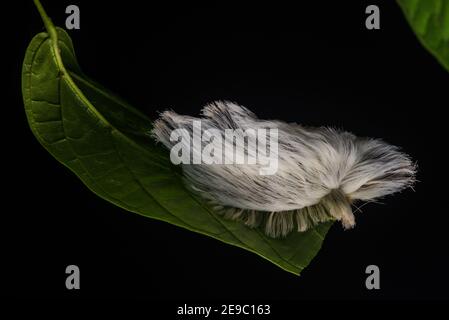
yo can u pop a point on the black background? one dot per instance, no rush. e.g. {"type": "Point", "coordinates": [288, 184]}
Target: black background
{"type": "Point", "coordinates": [315, 64]}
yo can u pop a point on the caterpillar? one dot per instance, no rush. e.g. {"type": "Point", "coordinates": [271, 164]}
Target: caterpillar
{"type": "Point", "coordinates": [320, 172]}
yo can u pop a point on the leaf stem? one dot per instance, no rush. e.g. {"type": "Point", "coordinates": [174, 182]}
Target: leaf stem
{"type": "Point", "coordinates": [49, 26]}
{"type": "Point", "coordinates": [52, 32]}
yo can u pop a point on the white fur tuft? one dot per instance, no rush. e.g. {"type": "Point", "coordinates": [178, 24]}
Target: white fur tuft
{"type": "Point", "coordinates": [321, 172]}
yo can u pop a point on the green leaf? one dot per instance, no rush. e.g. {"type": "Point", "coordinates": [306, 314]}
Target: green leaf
{"type": "Point", "coordinates": [105, 142]}
{"type": "Point", "coordinates": [429, 19]}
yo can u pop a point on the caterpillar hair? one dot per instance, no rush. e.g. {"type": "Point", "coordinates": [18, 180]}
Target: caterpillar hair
{"type": "Point", "coordinates": [321, 172]}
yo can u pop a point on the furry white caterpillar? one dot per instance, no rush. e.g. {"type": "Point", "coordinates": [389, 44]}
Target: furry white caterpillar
{"type": "Point", "coordinates": [321, 172]}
